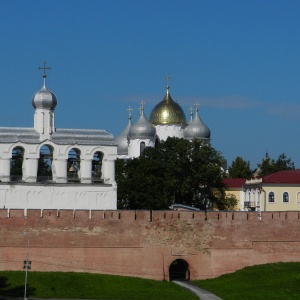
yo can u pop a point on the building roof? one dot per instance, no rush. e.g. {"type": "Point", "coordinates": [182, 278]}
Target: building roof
{"type": "Point", "coordinates": [59, 137]}
{"type": "Point", "coordinates": [183, 207]}
{"type": "Point", "coordinates": [83, 137]}
{"type": "Point", "coordinates": [287, 176]}
{"type": "Point", "coordinates": [234, 182]}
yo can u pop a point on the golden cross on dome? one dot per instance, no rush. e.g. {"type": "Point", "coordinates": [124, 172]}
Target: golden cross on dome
{"type": "Point", "coordinates": [141, 108]}
{"type": "Point", "coordinates": [191, 110]}
{"type": "Point", "coordinates": [45, 68]}
{"type": "Point", "coordinates": [168, 77]}
{"type": "Point", "coordinates": [197, 105]}
{"type": "Point", "coordinates": [129, 109]}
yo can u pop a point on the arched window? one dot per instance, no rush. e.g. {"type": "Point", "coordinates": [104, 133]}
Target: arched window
{"type": "Point", "coordinates": [44, 172]}
{"type": "Point", "coordinates": [73, 165]}
{"type": "Point", "coordinates": [16, 164]}
{"type": "Point", "coordinates": [142, 147]}
{"type": "Point", "coordinates": [271, 197]}
{"type": "Point", "coordinates": [97, 167]}
{"type": "Point", "coordinates": [285, 197]}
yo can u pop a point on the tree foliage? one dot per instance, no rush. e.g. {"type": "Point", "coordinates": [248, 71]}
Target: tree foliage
{"type": "Point", "coordinates": [176, 171]}
{"type": "Point", "coordinates": [240, 168]}
{"type": "Point", "coordinates": [268, 166]}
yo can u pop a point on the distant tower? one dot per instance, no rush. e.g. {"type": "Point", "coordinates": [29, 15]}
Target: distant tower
{"type": "Point", "coordinates": [44, 103]}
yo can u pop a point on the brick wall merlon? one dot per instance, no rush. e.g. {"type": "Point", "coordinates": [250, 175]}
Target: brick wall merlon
{"type": "Point", "coordinates": [145, 215]}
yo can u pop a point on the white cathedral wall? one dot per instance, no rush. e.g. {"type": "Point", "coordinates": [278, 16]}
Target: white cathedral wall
{"type": "Point", "coordinates": [165, 131]}
{"type": "Point", "coordinates": [64, 196]}
{"type": "Point", "coordinates": [134, 146]}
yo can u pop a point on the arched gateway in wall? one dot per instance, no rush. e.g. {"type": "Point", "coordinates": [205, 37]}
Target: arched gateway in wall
{"type": "Point", "coordinates": [179, 270]}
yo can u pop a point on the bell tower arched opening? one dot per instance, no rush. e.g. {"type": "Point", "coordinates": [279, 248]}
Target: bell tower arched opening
{"type": "Point", "coordinates": [16, 171]}
{"type": "Point", "coordinates": [44, 171]}
{"type": "Point", "coordinates": [179, 270]}
{"type": "Point", "coordinates": [97, 167]}
{"type": "Point", "coordinates": [73, 166]}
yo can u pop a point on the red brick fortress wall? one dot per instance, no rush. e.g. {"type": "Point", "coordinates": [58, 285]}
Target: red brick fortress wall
{"type": "Point", "coordinates": [145, 243]}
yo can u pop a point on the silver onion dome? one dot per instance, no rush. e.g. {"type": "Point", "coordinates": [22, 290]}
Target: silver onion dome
{"type": "Point", "coordinates": [196, 129]}
{"type": "Point", "coordinates": [122, 140]}
{"type": "Point", "coordinates": [44, 98]}
{"type": "Point", "coordinates": [142, 128]}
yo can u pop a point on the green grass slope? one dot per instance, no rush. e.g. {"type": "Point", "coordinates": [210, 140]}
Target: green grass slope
{"type": "Point", "coordinates": [88, 286]}
{"type": "Point", "coordinates": [262, 282]}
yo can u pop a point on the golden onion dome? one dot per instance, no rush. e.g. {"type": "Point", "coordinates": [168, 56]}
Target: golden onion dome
{"type": "Point", "coordinates": [167, 112]}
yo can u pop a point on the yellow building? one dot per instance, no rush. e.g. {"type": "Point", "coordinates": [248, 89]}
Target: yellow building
{"type": "Point", "coordinates": [235, 190]}
{"type": "Point", "coordinates": [279, 191]}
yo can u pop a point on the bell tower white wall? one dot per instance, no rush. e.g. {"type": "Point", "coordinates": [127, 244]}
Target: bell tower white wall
{"type": "Point", "coordinates": [44, 122]}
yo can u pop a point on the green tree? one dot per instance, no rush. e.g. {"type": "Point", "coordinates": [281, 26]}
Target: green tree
{"type": "Point", "coordinates": [176, 171]}
{"type": "Point", "coordinates": [240, 168]}
{"type": "Point", "coordinates": [268, 166]}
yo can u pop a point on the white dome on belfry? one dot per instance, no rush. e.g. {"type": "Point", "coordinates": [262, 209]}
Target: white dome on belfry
{"type": "Point", "coordinates": [44, 99]}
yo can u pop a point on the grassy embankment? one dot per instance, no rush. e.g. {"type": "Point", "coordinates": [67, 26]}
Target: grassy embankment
{"type": "Point", "coordinates": [90, 286]}
{"type": "Point", "coordinates": [262, 282]}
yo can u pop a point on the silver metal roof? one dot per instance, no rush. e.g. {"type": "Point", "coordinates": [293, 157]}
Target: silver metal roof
{"type": "Point", "coordinates": [60, 137]}
{"type": "Point", "coordinates": [44, 99]}
{"type": "Point", "coordinates": [196, 129]}
{"type": "Point", "coordinates": [142, 128]}
{"type": "Point", "coordinates": [18, 134]}
{"type": "Point", "coordinates": [122, 140]}
{"type": "Point", "coordinates": [83, 137]}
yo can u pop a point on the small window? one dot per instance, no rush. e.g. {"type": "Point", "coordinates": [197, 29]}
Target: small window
{"type": "Point", "coordinates": [285, 197]}
{"type": "Point", "coordinates": [142, 147]}
{"type": "Point", "coordinates": [271, 197]}
{"type": "Point", "coordinates": [298, 198]}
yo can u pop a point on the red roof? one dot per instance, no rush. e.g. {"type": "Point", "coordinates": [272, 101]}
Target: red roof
{"type": "Point", "coordinates": [234, 182]}
{"type": "Point", "coordinates": [288, 176]}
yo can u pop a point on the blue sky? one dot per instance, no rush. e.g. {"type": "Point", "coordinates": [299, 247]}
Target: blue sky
{"type": "Point", "coordinates": [239, 59]}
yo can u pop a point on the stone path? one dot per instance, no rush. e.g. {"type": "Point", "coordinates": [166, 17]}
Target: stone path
{"type": "Point", "coordinates": [202, 294]}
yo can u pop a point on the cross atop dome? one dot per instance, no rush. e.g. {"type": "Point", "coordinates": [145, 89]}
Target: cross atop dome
{"type": "Point", "coordinates": [197, 105]}
{"type": "Point", "coordinates": [141, 108]}
{"type": "Point", "coordinates": [168, 77]}
{"type": "Point", "coordinates": [129, 109]}
{"type": "Point", "coordinates": [44, 68]}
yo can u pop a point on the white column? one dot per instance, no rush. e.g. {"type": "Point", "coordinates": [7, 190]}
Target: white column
{"type": "Point", "coordinates": [44, 122]}
{"type": "Point", "coordinates": [5, 169]}
{"type": "Point", "coordinates": [85, 170]}
{"type": "Point", "coordinates": [29, 168]}
{"type": "Point", "coordinates": [108, 169]}
{"type": "Point", "coordinates": [59, 170]}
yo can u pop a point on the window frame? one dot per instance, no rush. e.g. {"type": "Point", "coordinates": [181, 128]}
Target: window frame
{"type": "Point", "coordinates": [142, 147]}
{"type": "Point", "coordinates": [271, 194]}
{"type": "Point", "coordinates": [285, 197]}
